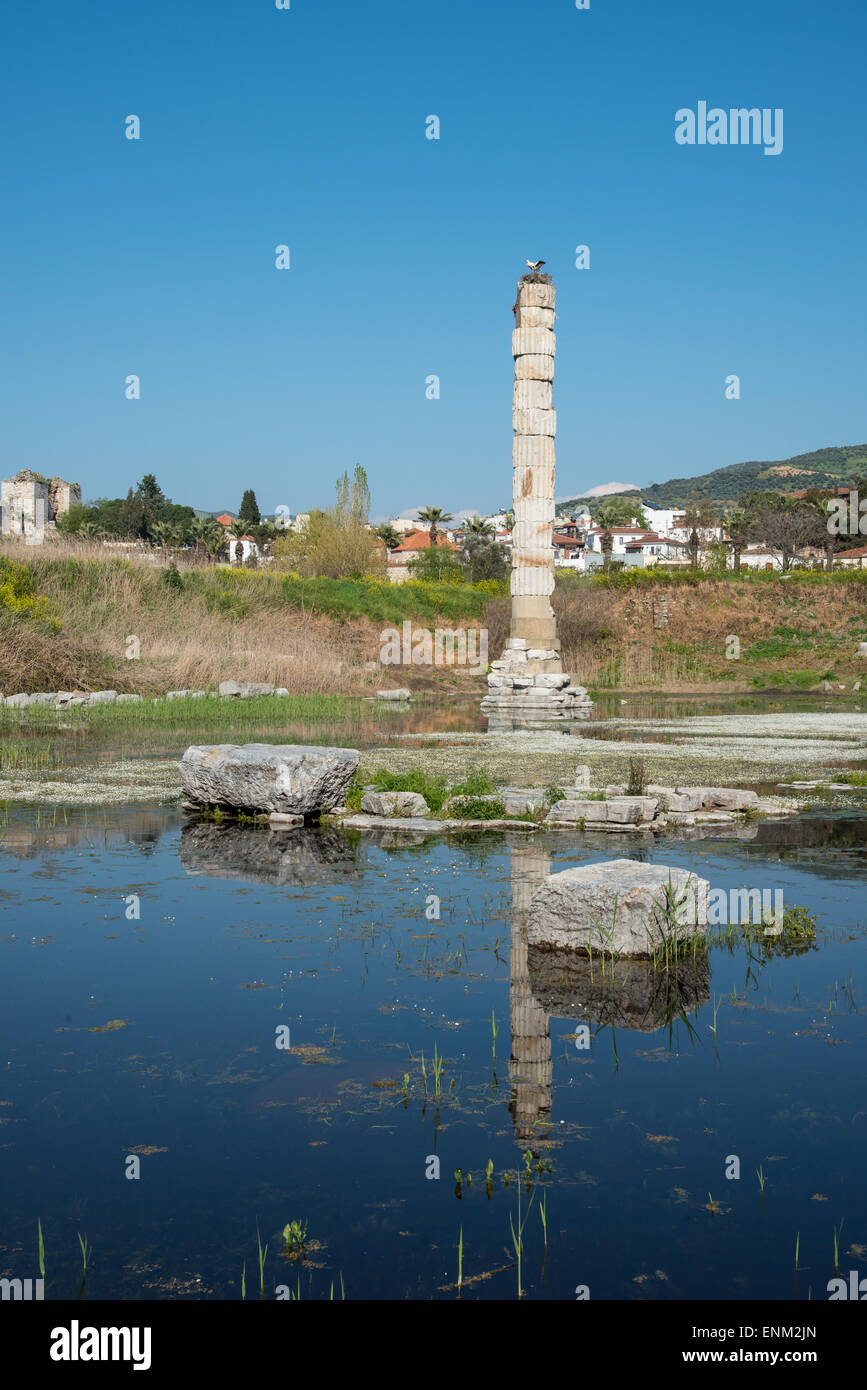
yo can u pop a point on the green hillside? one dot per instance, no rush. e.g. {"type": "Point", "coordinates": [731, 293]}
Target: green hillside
{"type": "Point", "coordinates": [824, 468]}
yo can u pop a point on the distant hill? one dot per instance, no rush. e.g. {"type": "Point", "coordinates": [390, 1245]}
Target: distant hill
{"type": "Point", "coordinates": [823, 468]}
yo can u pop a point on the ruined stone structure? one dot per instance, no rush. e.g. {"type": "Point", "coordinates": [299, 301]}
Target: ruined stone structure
{"type": "Point", "coordinates": [529, 681]}
{"type": "Point", "coordinates": [31, 504]}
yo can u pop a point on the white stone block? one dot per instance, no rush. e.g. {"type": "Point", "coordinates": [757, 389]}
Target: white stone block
{"type": "Point", "coordinates": [622, 907]}
{"type": "Point", "coordinates": [534, 367]}
{"type": "Point", "coordinates": [533, 395]}
{"type": "Point", "coordinates": [535, 316]}
{"type": "Point", "coordinates": [536, 292]}
{"type": "Point", "coordinates": [534, 422]}
{"type": "Point", "coordinates": [533, 342]}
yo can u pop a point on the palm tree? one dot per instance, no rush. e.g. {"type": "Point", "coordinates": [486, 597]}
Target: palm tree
{"type": "Point", "coordinates": [615, 511]}
{"type": "Point", "coordinates": [477, 526]}
{"type": "Point", "coordinates": [207, 535]}
{"type": "Point", "coordinates": [736, 522]}
{"type": "Point", "coordinates": [435, 516]}
{"type": "Point", "coordinates": [388, 535]}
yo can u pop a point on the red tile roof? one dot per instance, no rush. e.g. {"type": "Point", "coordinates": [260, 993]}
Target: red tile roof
{"type": "Point", "coordinates": [420, 540]}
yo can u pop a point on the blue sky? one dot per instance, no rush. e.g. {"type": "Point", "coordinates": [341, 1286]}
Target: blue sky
{"type": "Point", "coordinates": [306, 127]}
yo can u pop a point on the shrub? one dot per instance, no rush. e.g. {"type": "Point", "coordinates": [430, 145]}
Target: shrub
{"type": "Point", "coordinates": [476, 808]}
{"type": "Point", "coordinates": [637, 778]}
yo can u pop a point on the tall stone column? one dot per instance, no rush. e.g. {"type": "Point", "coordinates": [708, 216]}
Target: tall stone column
{"type": "Point", "coordinates": [529, 680]}
{"type": "Point", "coordinates": [534, 422]}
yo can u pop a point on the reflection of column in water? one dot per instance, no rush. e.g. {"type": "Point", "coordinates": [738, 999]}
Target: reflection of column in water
{"type": "Point", "coordinates": [530, 1070]}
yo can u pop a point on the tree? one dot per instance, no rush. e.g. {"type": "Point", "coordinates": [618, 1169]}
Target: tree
{"type": "Point", "coordinates": [335, 543]}
{"type": "Point", "coordinates": [132, 515]}
{"type": "Point", "coordinates": [207, 535]}
{"type": "Point", "coordinates": [736, 522]}
{"type": "Point", "coordinates": [826, 537]}
{"type": "Point", "coordinates": [699, 522]}
{"type": "Point", "coordinates": [248, 512]}
{"type": "Point", "coordinates": [484, 557]}
{"type": "Point", "coordinates": [783, 523]}
{"type": "Point", "coordinates": [435, 517]}
{"type": "Point", "coordinates": [388, 535]}
{"type": "Point", "coordinates": [440, 565]}
{"type": "Point", "coordinates": [152, 499]}
{"type": "Point", "coordinates": [615, 511]}
{"type": "Point", "coordinates": [477, 526]}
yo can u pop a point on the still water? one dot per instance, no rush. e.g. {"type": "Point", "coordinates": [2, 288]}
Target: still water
{"type": "Point", "coordinates": [148, 965]}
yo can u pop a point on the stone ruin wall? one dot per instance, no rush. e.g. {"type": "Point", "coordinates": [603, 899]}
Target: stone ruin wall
{"type": "Point", "coordinates": [30, 505]}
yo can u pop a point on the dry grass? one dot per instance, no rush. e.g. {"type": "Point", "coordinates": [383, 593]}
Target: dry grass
{"type": "Point", "coordinates": [790, 632]}
{"type": "Point", "coordinates": [186, 640]}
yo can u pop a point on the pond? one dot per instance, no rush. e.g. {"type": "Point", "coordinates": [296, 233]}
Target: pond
{"type": "Point", "coordinates": [154, 1102]}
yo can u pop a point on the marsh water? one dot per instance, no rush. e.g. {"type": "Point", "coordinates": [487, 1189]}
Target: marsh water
{"type": "Point", "coordinates": [148, 964]}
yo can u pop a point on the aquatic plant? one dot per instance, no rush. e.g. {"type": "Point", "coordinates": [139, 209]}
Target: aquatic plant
{"type": "Point", "coordinates": [294, 1236]}
{"type": "Point", "coordinates": [263, 1255]}
{"type": "Point", "coordinates": [518, 1236]}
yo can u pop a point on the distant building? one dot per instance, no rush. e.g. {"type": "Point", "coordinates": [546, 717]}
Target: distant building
{"type": "Point", "coordinates": [852, 559]}
{"type": "Point", "coordinates": [30, 505]}
{"type": "Point", "coordinates": [410, 546]}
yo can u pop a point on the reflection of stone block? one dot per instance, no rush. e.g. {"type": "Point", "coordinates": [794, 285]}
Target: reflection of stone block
{"type": "Point", "coordinates": [628, 994]}
{"type": "Point", "coordinates": [622, 906]}
{"type": "Point", "coordinates": [304, 856]}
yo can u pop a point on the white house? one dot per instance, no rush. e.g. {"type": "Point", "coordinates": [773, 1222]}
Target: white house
{"type": "Point", "coordinates": [662, 520]}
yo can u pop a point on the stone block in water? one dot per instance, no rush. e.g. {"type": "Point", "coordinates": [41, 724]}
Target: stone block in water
{"type": "Point", "coordinates": [622, 907]}
{"type": "Point", "coordinates": [290, 778]}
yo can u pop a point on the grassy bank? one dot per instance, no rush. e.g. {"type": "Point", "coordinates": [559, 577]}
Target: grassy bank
{"type": "Point", "coordinates": [68, 614]}
{"type": "Point", "coordinates": [755, 630]}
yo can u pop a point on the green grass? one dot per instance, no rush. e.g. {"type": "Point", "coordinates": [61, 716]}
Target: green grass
{"type": "Point", "coordinates": [476, 808]}
{"type": "Point", "coordinates": [207, 712]}
{"type": "Point", "coordinates": [435, 790]}
{"type": "Point", "coordinates": [783, 679]}
{"type": "Point", "coordinates": [382, 601]}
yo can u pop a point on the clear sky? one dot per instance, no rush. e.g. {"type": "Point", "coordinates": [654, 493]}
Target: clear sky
{"type": "Point", "coordinates": [306, 127]}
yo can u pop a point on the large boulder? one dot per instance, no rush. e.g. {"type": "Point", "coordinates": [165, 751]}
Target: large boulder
{"type": "Point", "coordinates": [289, 778]}
{"type": "Point", "coordinates": [622, 907]}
